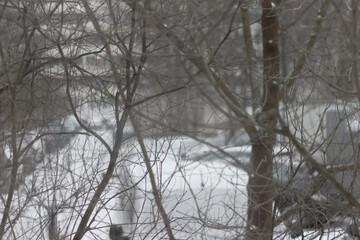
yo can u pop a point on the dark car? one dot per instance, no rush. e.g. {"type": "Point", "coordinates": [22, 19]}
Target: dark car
{"type": "Point", "coordinates": [308, 201]}
{"type": "Point", "coordinates": [315, 201]}
{"type": "Point", "coordinates": [305, 200]}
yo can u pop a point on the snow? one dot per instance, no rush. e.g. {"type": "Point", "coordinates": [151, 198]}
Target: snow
{"type": "Point", "coordinates": [257, 111]}
{"type": "Point", "coordinates": [192, 192]}
{"type": "Point", "coordinates": [280, 232]}
{"type": "Point", "coordinates": [203, 194]}
{"type": "Point", "coordinates": [196, 190]}
{"type": "Point", "coordinates": [354, 125]}
{"type": "Point", "coordinates": [204, 198]}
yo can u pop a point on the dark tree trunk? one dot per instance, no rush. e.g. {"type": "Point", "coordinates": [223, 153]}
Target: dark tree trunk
{"type": "Point", "coordinates": [260, 186]}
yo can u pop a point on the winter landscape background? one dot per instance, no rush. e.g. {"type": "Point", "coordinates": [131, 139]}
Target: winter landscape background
{"type": "Point", "coordinates": [185, 119]}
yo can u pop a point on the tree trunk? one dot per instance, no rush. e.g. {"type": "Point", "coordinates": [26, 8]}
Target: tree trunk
{"type": "Point", "coordinates": [260, 186]}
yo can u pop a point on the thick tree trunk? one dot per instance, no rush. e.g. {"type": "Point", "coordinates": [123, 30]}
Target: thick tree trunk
{"type": "Point", "coordinates": [260, 190]}
{"type": "Point", "coordinates": [260, 186]}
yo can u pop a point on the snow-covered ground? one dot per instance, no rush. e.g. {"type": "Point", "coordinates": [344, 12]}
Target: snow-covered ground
{"type": "Point", "coordinates": [203, 194]}
{"type": "Point", "coordinates": [203, 199]}
{"type": "Point", "coordinates": [198, 196]}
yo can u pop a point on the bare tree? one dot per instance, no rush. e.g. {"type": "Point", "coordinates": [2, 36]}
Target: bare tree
{"type": "Point", "coordinates": [96, 98]}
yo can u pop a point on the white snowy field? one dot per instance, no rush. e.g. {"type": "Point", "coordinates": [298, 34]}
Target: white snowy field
{"type": "Point", "coordinates": [204, 196]}
{"type": "Point", "coordinates": [203, 200]}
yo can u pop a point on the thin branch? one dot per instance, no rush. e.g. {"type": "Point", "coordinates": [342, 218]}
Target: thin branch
{"type": "Point", "coordinates": [298, 18]}
{"type": "Point", "coordinates": [219, 84]}
{"type": "Point", "coordinates": [154, 187]}
{"type": "Point", "coordinates": [250, 53]}
{"type": "Point", "coordinates": [322, 170]}
{"type": "Point", "coordinates": [316, 30]}
{"type": "Point", "coordinates": [158, 95]}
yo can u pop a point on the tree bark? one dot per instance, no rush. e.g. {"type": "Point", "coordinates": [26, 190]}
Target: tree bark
{"type": "Point", "coordinates": [260, 186]}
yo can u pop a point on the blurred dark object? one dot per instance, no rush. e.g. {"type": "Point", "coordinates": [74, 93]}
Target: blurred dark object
{"type": "Point", "coordinates": [59, 135]}
{"type": "Point", "coordinates": [116, 233]}
{"type": "Point", "coordinates": [353, 230]}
